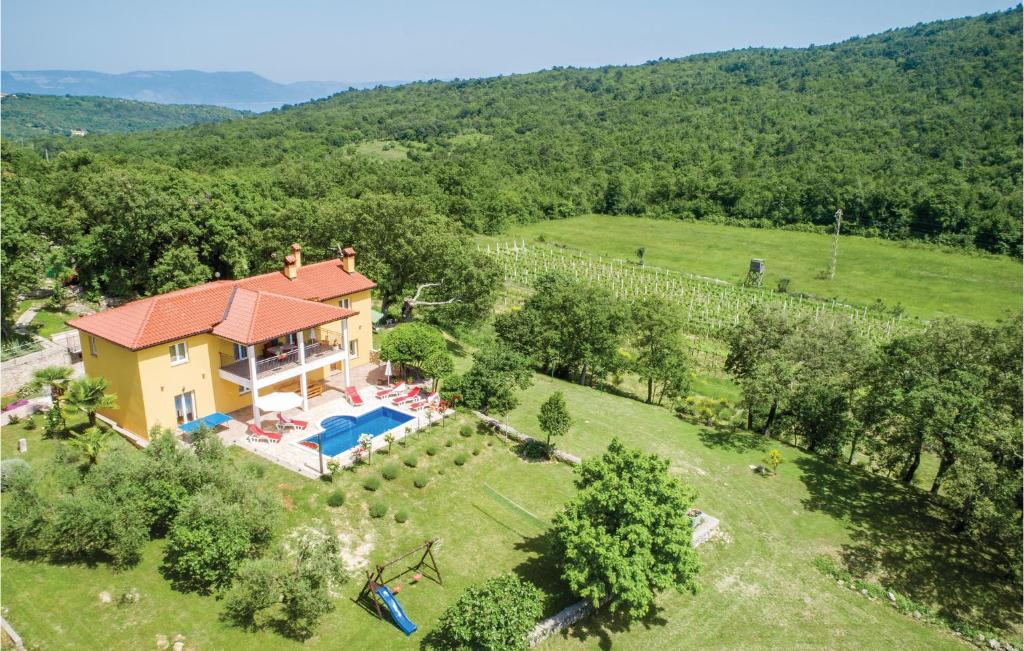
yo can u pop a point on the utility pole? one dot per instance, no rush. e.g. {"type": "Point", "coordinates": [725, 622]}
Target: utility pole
{"type": "Point", "coordinates": [835, 245]}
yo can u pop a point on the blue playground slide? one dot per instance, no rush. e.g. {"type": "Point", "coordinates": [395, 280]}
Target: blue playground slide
{"type": "Point", "coordinates": [396, 611]}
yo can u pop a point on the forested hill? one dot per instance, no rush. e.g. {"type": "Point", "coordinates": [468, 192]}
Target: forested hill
{"type": "Point", "coordinates": [915, 133]}
{"type": "Point", "coordinates": [33, 116]}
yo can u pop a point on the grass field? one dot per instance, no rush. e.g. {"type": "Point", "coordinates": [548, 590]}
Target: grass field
{"type": "Point", "coordinates": [926, 282]}
{"type": "Point", "coordinates": [760, 590]}
{"type": "Point", "coordinates": [57, 606]}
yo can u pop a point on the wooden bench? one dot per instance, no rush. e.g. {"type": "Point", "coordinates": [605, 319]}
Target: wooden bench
{"type": "Point", "coordinates": [314, 390]}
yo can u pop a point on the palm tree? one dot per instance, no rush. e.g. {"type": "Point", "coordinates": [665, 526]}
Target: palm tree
{"type": "Point", "coordinates": [55, 378]}
{"type": "Point", "coordinates": [91, 443]}
{"type": "Point", "coordinates": [88, 395]}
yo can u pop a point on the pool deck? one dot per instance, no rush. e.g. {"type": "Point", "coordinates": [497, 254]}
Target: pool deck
{"type": "Point", "coordinates": [306, 461]}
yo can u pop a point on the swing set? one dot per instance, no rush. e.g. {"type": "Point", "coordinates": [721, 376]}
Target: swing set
{"type": "Point", "coordinates": [376, 588]}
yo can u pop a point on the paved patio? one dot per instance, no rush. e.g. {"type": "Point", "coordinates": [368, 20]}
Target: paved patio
{"type": "Point", "coordinates": [306, 461]}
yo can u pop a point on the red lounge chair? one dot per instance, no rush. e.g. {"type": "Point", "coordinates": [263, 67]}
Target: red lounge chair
{"type": "Point", "coordinates": [284, 421]}
{"type": "Point", "coordinates": [416, 406]}
{"type": "Point", "coordinates": [407, 397]}
{"type": "Point", "coordinates": [309, 444]}
{"type": "Point", "coordinates": [384, 393]}
{"type": "Point", "coordinates": [257, 433]}
{"type": "Point", "coordinates": [353, 396]}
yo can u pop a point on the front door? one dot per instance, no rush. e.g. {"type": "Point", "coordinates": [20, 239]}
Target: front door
{"type": "Point", "coordinates": [185, 406]}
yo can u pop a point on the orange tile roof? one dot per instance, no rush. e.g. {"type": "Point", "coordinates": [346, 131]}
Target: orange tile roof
{"type": "Point", "coordinates": [252, 317]}
{"type": "Point", "coordinates": [186, 312]}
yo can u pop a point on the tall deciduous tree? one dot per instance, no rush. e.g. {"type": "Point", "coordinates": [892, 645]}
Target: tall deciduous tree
{"type": "Point", "coordinates": [491, 383]}
{"type": "Point", "coordinates": [568, 327]}
{"type": "Point", "coordinates": [412, 344]}
{"type": "Point", "coordinates": [661, 358]}
{"type": "Point", "coordinates": [554, 417]}
{"type": "Point", "coordinates": [626, 534]}
{"type": "Point", "coordinates": [497, 615]}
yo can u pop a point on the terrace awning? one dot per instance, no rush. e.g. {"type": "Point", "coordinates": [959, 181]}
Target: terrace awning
{"type": "Point", "coordinates": [279, 401]}
{"type": "Point", "coordinates": [213, 420]}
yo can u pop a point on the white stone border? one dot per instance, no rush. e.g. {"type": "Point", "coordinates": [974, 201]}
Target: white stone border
{"type": "Point", "coordinates": [11, 633]}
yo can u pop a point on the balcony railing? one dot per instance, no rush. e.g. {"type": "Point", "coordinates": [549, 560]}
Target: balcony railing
{"type": "Point", "coordinates": [272, 364]}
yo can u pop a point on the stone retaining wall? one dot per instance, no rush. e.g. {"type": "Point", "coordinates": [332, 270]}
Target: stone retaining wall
{"type": "Point", "coordinates": [17, 372]}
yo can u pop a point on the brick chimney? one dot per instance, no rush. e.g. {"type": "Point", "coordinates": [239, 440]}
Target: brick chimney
{"type": "Point", "coordinates": [293, 262]}
{"type": "Point", "coordinates": [348, 259]}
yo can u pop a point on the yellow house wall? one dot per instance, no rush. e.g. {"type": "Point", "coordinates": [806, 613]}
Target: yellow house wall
{"type": "Point", "coordinates": [119, 366]}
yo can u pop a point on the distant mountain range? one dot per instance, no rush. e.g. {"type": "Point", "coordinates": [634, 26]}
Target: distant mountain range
{"type": "Point", "coordinates": [239, 90]}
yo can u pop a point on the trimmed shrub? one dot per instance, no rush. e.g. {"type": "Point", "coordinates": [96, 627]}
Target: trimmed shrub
{"type": "Point", "coordinates": [30, 423]}
{"type": "Point", "coordinates": [401, 515]}
{"type": "Point", "coordinates": [421, 479]}
{"type": "Point", "coordinates": [432, 449]}
{"type": "Point", "coordinates": [372, 483]}
{"type": "Point", "coordinates": [336, 499]}
{"type": "Point", "coordinates": [476, 451]}
{"type": "Point", "coordinates": [13, 419]}
{"type": "Point", "coordinates": [389, 471]}
{"type": "Point", "coordinates": [466, 431]}
{"type": "Point", "coordinates": [448, 443]}
{"type": "Point", "coordinates": [9, 471]}
{"type": "Point", "coordinates": [410, 460]}
{"type": "Point", "coordinates": [441, 471]}
{"type": "Point", "coordinates": [378, 509]}
{"type": "Point", "coordinates": [461, 458]}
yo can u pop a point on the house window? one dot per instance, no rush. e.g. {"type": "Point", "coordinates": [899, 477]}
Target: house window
{"type": "Point", "coordinates": [185, 406]}
{"type": "Point", "coordinates": [179, 353]}
{"type": "Point", "coordinates": [353, 348]}
{"type": "Point", "coordinates": [241, 352]}
{"type": "Point", "coordinates": [344, 303]}
{"type": "Point", "coordinates": [92, 345]}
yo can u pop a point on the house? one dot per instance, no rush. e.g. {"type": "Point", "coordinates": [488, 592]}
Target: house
{"type": "Point", "coordinates": [179, 356]}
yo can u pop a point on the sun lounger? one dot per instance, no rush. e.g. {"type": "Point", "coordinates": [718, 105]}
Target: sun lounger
{"type": "Point", "coordinates": [353, 396]}
{"type": "Point", "coordinates": [283, 422]}
{"type": "Point", "coordinates": [258, 435]}
{"type": "Point", "coordinates": [390, 391]}
{"type": "Point", "coordinates": [415, 391]}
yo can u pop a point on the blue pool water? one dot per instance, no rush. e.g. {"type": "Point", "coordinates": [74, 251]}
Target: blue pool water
{"type": "Point", "coordinates": [342, 432]}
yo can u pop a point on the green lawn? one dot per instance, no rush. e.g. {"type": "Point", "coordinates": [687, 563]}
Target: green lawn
{"type": "Point", "coordinates": [927, 283]}
{"type": "Point", "coordinates": [57, 606]}
{"type": "Point", "coordinates": [761, 590]}
{"type": "Point", "coordinates": [48, 322]}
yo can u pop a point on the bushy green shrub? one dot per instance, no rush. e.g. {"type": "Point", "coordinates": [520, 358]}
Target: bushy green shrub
{"type": "Point", "coordinates": [390, 471]}
{"type": "Point", "coordinates": [476, 450]}
{"type": "Point", "coordinates": [13, 419]}
{"type": "Point", "coordinates": [401, 515]}
{"type": "Point", "coordinates": [24, 518]}
{"type": "Point", "coordinates": [441, 470]}
{"type": "Point", "coordinates": [421, 479]}
{"type": "Point", "coordinates": [372, 483]}
{"type": "Point", "coordinates": [336, 499]}
{"type": "Point", "coordinates": [378, 509]}
{"type": "Point", "coordinates": [9, 471]}
{"type": "Point", "coordinates": [461, 458]}
{"type": "Point", "coordinates": [497, 614]}
{"type": "Point", "coordinates": [448, 443]}
{"type": "Point", "coordinates": [534, 450]}
{"type": "Point", "coordinates": [466, 430]}
{"type": "Point", "coordinates": [410, 460]}
{"type": "Point", "coordinates": [432, 449]}
{"type": "Point", "coordinates": [30, 423]}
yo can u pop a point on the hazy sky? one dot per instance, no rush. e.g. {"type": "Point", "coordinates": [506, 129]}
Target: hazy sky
{"type": "Point", "coordinates": [291, 40]}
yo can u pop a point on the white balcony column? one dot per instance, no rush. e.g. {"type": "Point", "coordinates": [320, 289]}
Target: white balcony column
{"type": "Point", "coordinates": [254, 393]}
{"type": "Point", "coordinates": [301, 336]}
{"type": "Point", "coordinates": [344, 344]}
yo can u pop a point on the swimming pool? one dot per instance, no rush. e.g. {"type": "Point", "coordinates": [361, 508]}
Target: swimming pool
{"type": "Point", "coordinates": [342, 432]}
